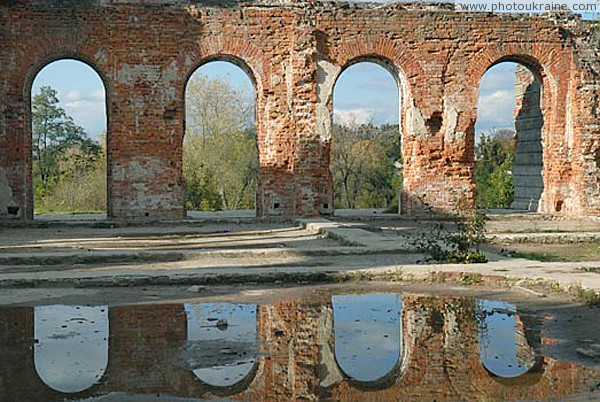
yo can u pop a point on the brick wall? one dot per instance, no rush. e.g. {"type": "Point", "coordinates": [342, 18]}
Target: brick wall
{"type": "Point", "coordinates": [146, 50]}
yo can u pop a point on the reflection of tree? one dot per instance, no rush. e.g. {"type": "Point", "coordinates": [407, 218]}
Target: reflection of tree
{"type": "Point", "coordinates": [366, 165]}
{"type": "Point", "coordinates": [220, 154]}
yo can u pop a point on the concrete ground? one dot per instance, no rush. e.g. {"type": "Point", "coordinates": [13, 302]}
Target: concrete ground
{"type": "Point", "coordinates": [82, 251]}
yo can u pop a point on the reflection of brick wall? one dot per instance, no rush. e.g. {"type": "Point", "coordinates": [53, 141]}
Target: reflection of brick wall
{"type": "Point", "coordinates": [145, 53]}
{"type": "Point", "coordinates": [142, 340]}
{"type": "Point", "coordinates": [441, 358]}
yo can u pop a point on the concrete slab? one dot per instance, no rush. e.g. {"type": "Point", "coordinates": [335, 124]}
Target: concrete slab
{"type": "Point", "coordinates": [213, 253]}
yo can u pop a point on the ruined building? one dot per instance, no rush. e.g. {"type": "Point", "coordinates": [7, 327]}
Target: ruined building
{"type": "Point", "coordinates": [145, 51]}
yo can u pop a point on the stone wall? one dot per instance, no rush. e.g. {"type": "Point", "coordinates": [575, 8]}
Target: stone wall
{"type": "Point", "coordinates": [145, 51]}
{"type": "Point", "coordinates": [528, 167]}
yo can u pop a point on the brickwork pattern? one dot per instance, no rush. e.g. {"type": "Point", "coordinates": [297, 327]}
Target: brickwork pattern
{"type": "Point", "coordinates": [145, 51]}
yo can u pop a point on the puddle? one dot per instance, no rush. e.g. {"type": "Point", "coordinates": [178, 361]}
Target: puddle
{"type": "Point", "coordinates": [383, 347]}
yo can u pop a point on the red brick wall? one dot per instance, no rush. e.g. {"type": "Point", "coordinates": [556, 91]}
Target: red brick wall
{"type": "Point", "coordinates": [145, 52]}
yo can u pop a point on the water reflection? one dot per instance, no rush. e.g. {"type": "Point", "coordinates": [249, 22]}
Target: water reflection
{"type": "Point", "coordinates": [383, 347]}
{"type": "Point", "coordinates": [368, 334]}
{"type": "Point", "coordinates": [504, 349]}
{"type": "Point", "coordinates": [71, 346]}
{"type": "Point", "coordinates": [222, 341]}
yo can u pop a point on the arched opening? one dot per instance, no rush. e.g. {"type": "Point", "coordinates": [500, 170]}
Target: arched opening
{"type": "Point", "coordinates": [222, 342]}
{"type": "Point", "coordinates": [366, 156]}
{"type": "Point", "coordinates": [70, 350]}
{"type": "Point", "coordinates": [505, 349]}
{"type": "Point", "coordinates": [508, 152]}
{"type": "Point", "coordinates": [69, 125]}
{"type": "Point", "coordinates": [220, 154]}
{"type": "Point", "coordinates": [368, 335]}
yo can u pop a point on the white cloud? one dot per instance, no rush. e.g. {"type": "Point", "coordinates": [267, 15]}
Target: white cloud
{"type": "Point", "coordinates": [87, 110]}
{"type": "Point", "coordinates": [98, 94]}
{"type": "Point", "coordinates": [353, 116]}
{"type": "Point", "coordinates": [72, 96]}
{"type": "Point", "coordinates": [496, 108]}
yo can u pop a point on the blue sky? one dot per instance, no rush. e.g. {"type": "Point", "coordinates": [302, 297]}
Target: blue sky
{"type": "Point", "coordinates": [364, 92]}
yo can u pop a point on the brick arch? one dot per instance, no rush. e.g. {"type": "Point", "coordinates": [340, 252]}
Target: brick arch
{"type": "Point", "coordinates": [381, 49]}
{"type": "Point", "coordinates": [549, 65]}
{"type": "Point", "coordinates": [60, 55]}
{"type": "Point", "coordinates": [241, 53]}
{"type": "Point", "coordinates": [38, 56]}
{"type": "Point", "coordinates": [491, 57]}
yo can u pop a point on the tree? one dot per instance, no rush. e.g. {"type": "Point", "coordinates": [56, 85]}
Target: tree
{"type": "Point", "coordinates": [62, 154]}
{"type": "Point", "coordinates": [366, 165]}
{"type": "Point", "coordinates": [220, 156]}
{"type": "Point", "coordinates": [494, 160]}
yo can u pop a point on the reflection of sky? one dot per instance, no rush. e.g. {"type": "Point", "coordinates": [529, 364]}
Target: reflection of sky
{"type": "Point", "coordinates": [368, 334]}
{"type": "Point", "coordinates": [497, 339]}
{"type": "Point", "coordinates": [202, 321]}
{"type": "Point", "coordinates": [71, 352]}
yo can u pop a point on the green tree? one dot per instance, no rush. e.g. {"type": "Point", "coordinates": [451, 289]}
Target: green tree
{"type": "Point", "coordinates": [220, 156]}
{"type": "Point", "coordinates": [494, 161]}
{"type": "Point", "coordinates": [63, 154]}
{"type": "Point", "coordinates": [366, 164]}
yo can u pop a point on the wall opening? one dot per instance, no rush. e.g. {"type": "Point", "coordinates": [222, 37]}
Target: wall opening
{"type": "Point", "coordinates": [508, 151]}
{"type": "Point", "coordinates": [222, 342]}
{"type": "Point", "coordinates": [69, 123]}
{"type": "Point", "coordinates": [505, 349]}
{"type": "Point", "coordinates": [220, 153]}
{"type": "Point", "coordinates": [71, 346]}
{"type": "Point", "coordinates": [366, 156]}
{"type": "Point", "coordinates": [368, 335]}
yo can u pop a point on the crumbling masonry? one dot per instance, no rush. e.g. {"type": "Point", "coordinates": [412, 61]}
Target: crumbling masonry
{"type": "Point", "coordinates": [145, 51]}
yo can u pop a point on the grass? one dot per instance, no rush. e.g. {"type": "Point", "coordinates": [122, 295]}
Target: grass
{"type": "Point", "coordinates": [586, 296]}
{"type": "Point", "coordinates": [543, 257]}
{"type": "Point", "coordinates": [470, 279]}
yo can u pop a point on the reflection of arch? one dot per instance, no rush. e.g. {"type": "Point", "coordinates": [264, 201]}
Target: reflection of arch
{"type": "Point", "coordinates": [222, 345]}
{"type": "Point", "coordinates": [500, 329]}
{"type": "Point", "coordinates": [70, 340]}
{"type": "Point", "coordinates": [373, 309]}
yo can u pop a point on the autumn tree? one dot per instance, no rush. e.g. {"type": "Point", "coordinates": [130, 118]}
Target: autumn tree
{"type": "Point", "coordinates": [220, 156]}
{"type": "Point", "coordinates": [62, 154]}
{"type": "Point", "coordinates": [494, 161]}
{"type": "Point", "coordinates": [366, 164]}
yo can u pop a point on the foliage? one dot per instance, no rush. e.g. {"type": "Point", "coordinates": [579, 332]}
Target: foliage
{"type": "Point", "coordinates": [495, 157]}
{"type": "Point", "coordinates": [457, 242]}
{"type": "Point", "coordinates": [366, 162]}
{"type": "Point", "coordinates": [69, 171]}
{"type": "Point", "coordinates": [585, 295]}
{"type": "Point", "coordinates": [220, 156]}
